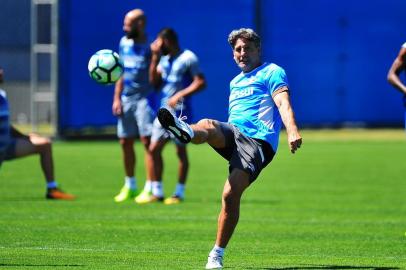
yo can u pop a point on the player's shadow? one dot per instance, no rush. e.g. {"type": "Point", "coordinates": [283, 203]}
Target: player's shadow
{"type": "Point", "coordinates": [21, 199]}
{"type": "Point", "coordinates": [39, 265]}
{"type": "Point", "coordinates": [333, 267]}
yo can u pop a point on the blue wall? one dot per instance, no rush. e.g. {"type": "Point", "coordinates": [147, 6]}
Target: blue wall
{"type": "Point", "coordinates": [202, 26]}
{"type": "Point", "coordinates": [15, 39]}
{"type": "Point", "coordinates": [336, 54]}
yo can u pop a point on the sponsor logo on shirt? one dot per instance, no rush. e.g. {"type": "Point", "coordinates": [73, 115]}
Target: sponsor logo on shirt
{"type": "Point", "coordinates": [242, 93]}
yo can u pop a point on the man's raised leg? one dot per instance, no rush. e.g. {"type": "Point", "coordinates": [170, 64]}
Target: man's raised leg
{"type": "Point", "coordinates": [206, 130]}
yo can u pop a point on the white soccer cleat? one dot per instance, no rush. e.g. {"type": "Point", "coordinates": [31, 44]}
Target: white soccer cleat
{"type": "Point", "coordinates": [181, 130]}
{"type": "Point", "coordinates": [215, 262]}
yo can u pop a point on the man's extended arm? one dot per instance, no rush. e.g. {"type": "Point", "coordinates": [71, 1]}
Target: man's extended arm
{"type": "Point", "coordinates": [285, 109]}
{"type": "Point", "coordinates": [393, 75]}
{"type": "Point", "coordinates": [197, 84]}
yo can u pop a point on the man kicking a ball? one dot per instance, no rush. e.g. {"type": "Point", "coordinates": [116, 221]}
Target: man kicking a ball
{"type": "Point", "coordinates": [258, 104]}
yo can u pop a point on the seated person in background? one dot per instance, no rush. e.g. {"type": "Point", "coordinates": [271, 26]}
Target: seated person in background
{"type": "Point", "coordinates": [14, 144]}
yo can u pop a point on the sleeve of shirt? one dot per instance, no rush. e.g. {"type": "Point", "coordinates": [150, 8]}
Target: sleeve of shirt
{"type": "Point", "coordinates": [404, 45]}
{"type": "Point", "coordinates": [160, 68]}
{"type": "Point", "coordinates": [120, 47]}
{"type": "Point", "coordinates": [277, 81]}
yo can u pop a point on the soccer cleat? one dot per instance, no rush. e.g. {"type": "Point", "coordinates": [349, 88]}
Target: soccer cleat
{"type": "Point", "coordinates": [125, 194]}
{"type": "Point", "coordinates": [215, 262]}
{"type": "Point", "coordinates": [175, 199]}
{"type": "Point", "coordinates": [148, 198]}
{"type": "Point", "coordinates": [144, 195]}
{"type": "Point", "coordinates": [57, 194]}
{"type": "Point", "coordinates": [181, 130]}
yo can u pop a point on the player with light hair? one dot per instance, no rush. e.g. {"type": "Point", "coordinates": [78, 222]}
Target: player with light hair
{"type": "Point", "coordinates": [258, 104]}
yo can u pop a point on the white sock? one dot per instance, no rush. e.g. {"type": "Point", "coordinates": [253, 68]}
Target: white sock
{"type": "Point", "coordinates": [217, 251]}
{"type": "Point", "coordinates": [130, 182]}
{"type": "Point", "coordinates": [148, 186]}
{"type": "Point", "coordinates": [180, 190]}
{"type": "Point", "coordinates": [52, 184]}
{"type": "Point", "coordinates": [157, 189]}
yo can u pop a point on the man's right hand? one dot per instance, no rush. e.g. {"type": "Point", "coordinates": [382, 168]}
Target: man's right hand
{"type": "Point", "coordinates": [117, 108]}
{"type": "Point", "coordinates": [156, 47]}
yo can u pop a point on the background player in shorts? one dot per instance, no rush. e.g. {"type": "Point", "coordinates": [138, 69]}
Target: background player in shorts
{"type": "Point", "coordinates": [258, 104]}
{"type": "Point", "coordinates": [131, 100]}
{"type": "Point", "coordinates": [14, 144]}
{"type": "Point", "coordinates": [399, 65]}
{"type": "Point", "coordinates": [176, 73]}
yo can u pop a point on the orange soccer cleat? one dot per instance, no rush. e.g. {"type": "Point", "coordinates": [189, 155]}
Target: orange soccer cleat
{"type": "Point", "coordinates": [57, 194]}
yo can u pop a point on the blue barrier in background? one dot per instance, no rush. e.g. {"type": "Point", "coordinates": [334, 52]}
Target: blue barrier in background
{"type": "Point", "coordinates": [202, 26]}
{"type": "Point", "coordinates": [336, 54]}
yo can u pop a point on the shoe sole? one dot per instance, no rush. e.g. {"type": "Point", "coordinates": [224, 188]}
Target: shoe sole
{"type": "Point", "coordinates": [150, 201]}
{"type": "Point", "coordinates": [167, 121]}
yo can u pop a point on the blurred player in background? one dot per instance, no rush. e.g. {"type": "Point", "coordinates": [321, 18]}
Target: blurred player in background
{"type": "Point", "coordinates": [258, 104]}
{"type": "Point", "coordinates": [14, 144]}
{"type": "Point", "coordinates": [399, 65]}
{"type": "Point", "coordinates": [131, 101]}
{"type": "Point", "coordinates": [176, 73]}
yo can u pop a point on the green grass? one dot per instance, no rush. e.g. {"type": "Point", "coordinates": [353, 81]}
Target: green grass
{"type": "Point", "coordinates": [339, 203]}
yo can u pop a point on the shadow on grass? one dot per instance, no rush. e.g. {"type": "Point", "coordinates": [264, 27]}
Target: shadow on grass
{"type": "Point", "coordinates": [22, 199]}
{"type": "Point", "coordinates": [260, 201]}
{"type": "Point", "coordinates": [40, 265]}
{"type": "Point", "coordinates": [336, 267]}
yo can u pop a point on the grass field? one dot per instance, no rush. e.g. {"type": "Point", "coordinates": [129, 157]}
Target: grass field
{"type": "Point", "coordinates": [339, 203]}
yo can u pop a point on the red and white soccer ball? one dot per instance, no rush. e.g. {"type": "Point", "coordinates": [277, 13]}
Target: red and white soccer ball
{"type": "Point", "coordinates": [105, 67]}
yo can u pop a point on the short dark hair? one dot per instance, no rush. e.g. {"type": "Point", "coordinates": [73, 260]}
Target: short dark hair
{"type": "Point", "coordinates": [169, 34]}
{"type": "Point", "coordinates": [246, 33]}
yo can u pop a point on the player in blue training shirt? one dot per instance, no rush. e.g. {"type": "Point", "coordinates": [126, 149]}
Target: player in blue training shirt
{"type": "Point", "coordinates": [399, 65]}
{"type": "Point", "coordinates": [258, 104]}
{"type": "Point", "coordinates": [131, 102]}
{"type": "Point", "coordinates": [14, 144]}
{"type": "Point", "coordinates": [177, 74]}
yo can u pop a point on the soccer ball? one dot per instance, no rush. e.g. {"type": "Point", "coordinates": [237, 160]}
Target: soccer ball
{"type": "Point", "coordinates": [105, 67]}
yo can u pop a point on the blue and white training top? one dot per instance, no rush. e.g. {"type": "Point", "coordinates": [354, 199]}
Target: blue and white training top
{"type": "Point", "coordinates": [251, 106]}
{"type": "Point", "coordinates": [136, 58]}
{"type": "Point", "coordinates": [177, 73]}
{"type": "Point", "coordinates": [4, 121]}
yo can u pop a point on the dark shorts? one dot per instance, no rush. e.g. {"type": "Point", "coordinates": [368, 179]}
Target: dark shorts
{"type": "Point", "coordinates": [245, 153]}
{"type": "Point", "coordinates": [9, 152]}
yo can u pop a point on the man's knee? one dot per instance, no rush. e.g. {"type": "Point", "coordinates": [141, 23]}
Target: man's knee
{"type": "Point", "coordinates": [231, 201]}
{"type": "Point", "coordinates": [210, 125]}
{"type": "Point", "coordinates": [155, 149]}
{"type": "Point", "coordinates": [236, 184]}
{"type": "Point", "coordinates": [39, 140]}
{"type": "Point", "coordinates": [126, 142]}
{"type": "Point", "coordinates": [207, 123]}
{"type": "Point", "coordinates": [145, 141]}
